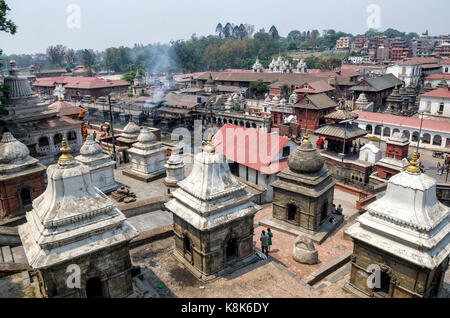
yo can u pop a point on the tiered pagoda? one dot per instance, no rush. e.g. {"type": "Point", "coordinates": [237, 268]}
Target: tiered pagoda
{"type": "Point", "coordinates": [341, 163]}
{"type": "Point", "coordinates": [336, 132]}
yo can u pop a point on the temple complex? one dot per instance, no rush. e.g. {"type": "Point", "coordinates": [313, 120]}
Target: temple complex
{"type": "Point", "coordinates": [72, 228]}
{"type": "Point", "coordinates": [33, 123]}
{"type": "Point", "coordinates": [148, 157]}
{"type": "Point", "coordinates": [396, 159]}
{"type": "Point", "coordinates": [21, 177]}
{"type": "Point", "coordinates": [100, 165]}
{"type": "Point", "coordinates": [340, 135]}
{"type": "Point", "coordinates": [213, 218]}
{"type": "Point", "coordinates": [401, 244]}
{"type": "Point", "coordinates": [303, 196]}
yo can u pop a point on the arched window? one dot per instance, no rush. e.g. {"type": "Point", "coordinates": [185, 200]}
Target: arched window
{"type": "Point", "coordinates": [291, 212]}
{"type": "Point", "coordinates": [426, 139]}
{"type": "Point", "coordinates": [72, 136]}
{"type": "Point", "coordinates": [26, 196]}
{"type": "Point", "coordinates": [369, 129]}
{"type": "Point", "coordinates": [437, 140]}
{"type": "Point", "coordinates": [386, 132]}
{"type": "Point", "coordinates": [57, 139]}
{"type": "Point", "coordinates": [43, 142]}
{"type": "Point", "coordinates": [406, 133]}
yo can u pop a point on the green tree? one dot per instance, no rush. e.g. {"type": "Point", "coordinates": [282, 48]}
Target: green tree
{"type": "Point", "coordinates": [56, 54]}
{"type": "Point", "coordinates": [129, 76]}
{"type": "Point", "coordinates": [258, 89]}
{"type": "Point", "coordinates": [70, 58]}
{"type": "Point", "coordinates": [7, 26]}
{"type": "Point", "coordinates": [329, 63]}
{"type": "Point", "coordinates": [284, 89]}
{"type": "Point", "coordinates": [88, 60]}
{"type": "Point", "coordinates": [311, 61]}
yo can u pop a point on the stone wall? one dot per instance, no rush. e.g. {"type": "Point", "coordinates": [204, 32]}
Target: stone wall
{"type": "Point", "coordinates": [406, 279]}
{"type": "Point", "coordinates": [309, 210]}
{"type": "Point", "coordinates": [209, 247]}
{"type": "Point", "coordinates": [112, 265]}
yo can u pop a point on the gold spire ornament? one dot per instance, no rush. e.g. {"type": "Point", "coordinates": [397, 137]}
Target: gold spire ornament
{"type": "Point", "coordinates": [209, 145]}
{"type": "Point", "coordinates": [414, 164]}
{"type": "Point", "coordinates": [306, 140]}
{"type": "Point", "coordinates": [65, 153]}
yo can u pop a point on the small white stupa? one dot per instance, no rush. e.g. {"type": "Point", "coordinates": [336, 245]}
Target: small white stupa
{"type": "Point", "coordinates": [370, 153]}
{"type": "Point", "coordinates": [148, 157]}
{"type": "Point", "coordinates": [100, 165]}
{"type": "Point", "coordinates": [174, 169]}
{"type": "Point", "coordinates": [130, 133]}
{"type": "Point", "coordinates": [74, 224]}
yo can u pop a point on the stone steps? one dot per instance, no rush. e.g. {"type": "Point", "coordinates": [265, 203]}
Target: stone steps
{"type": "Point", "coordinates": [7, 254]}
{"type": "Point", "coordinates": [15, 254]}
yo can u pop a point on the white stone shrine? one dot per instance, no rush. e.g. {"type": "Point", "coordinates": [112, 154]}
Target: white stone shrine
{"type": "Point", "coordinates": [100, 165]}
{"type": "Point", "coordinates": [73, 224]}
{"type": "Point", "coordinates": [148, 157]}
{"type": "Point", "coordinates": [174, 170]}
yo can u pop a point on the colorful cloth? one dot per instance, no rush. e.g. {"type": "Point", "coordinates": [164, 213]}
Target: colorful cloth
{"type": "Point", "coordinates": [270, 234]}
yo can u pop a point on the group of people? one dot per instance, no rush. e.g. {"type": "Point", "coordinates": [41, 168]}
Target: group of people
{"type": "Point", "coordinates": [338, 210]}
{"type": "Point", "coordinates": [266, 241]}
{"type": "Point", "coordinates": [354, 149]}
{"type": "Point", "coordinates": [441, 168]}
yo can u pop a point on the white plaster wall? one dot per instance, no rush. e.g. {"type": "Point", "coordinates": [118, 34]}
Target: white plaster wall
{"type": "Point", "coordinates": [435, 103]}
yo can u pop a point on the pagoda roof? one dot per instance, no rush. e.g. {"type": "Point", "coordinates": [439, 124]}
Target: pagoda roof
{"type": "Point", "coordinates": [340, 132]}
{"type": "Point", "coordinates": [342, 114]}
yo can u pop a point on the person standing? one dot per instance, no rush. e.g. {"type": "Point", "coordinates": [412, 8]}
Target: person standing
{"type": "Point", "coordinates": [270, 234]}
{"type": "Point", "coordinates": [94, 135]}
{"type": "Point", "coordinates": [339, 210]}
{"type": "Point", "coordinates": [264, 243]}
{"type": "Point", "coordinates": [333, 209]}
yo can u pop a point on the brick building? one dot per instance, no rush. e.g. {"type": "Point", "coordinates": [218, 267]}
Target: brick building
{"type": "Point", "coordinates": [21, 177]}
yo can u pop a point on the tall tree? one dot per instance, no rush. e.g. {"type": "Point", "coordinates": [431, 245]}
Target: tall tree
{"type": "Point", "coordinates": [56, 54]}
{"type": "Point", "coordinates": [274, 32]}
{"type": "Point", "coordinates": [70, 58]}
{"type": "Point", "coordinates": [228, 30]}
{"type": "Point", "coordinates": [8, 26]}
{"type": "Point", "coordinates": [88, 60]}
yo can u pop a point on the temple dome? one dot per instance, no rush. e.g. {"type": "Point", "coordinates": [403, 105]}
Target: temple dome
{"type": "Point", "coordinates": [146, 136]}
{"type": "Point", "coordinates": [90, 147]}
{"type": "Point", "coordinates": [131, 128]}
{"type": "Point", "coordinates": [305, 159]}
{"type": "Point", "coordinates": [12, 150]}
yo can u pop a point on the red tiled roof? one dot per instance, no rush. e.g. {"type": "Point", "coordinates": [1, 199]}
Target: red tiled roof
{"type": "Point", "coordinates": [440, 92]}
{"type": "Point", "coordinates": [411, 122]}
{"type": "Point", "coordinates": [66, 109]}
{"type": "Point", "coordinates": [438, 76]}
{"type": "Point", "coordinates": [251, 148]}
{"type": "Point", "coordinates": [316, 87]}
{"type": "Point", "coordinates": [79, 82]}
{"type": "Point", "coordinates": [421, 60]}
{"type": "Point", "coordinates": [446, 61]}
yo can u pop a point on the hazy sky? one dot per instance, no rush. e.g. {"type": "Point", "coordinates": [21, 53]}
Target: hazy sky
{"type": "Point", "coordinates": [106, 23]}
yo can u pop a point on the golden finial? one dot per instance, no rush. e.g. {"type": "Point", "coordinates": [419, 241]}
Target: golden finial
{"type": "Point", "coordinates": [209, 145]}
{"type": "Point", "coordinates": [414, 164]}
{"type": "Point", "coordinates": [65, 153]}
{"type": "Point", "coordinates": [306, 140]}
